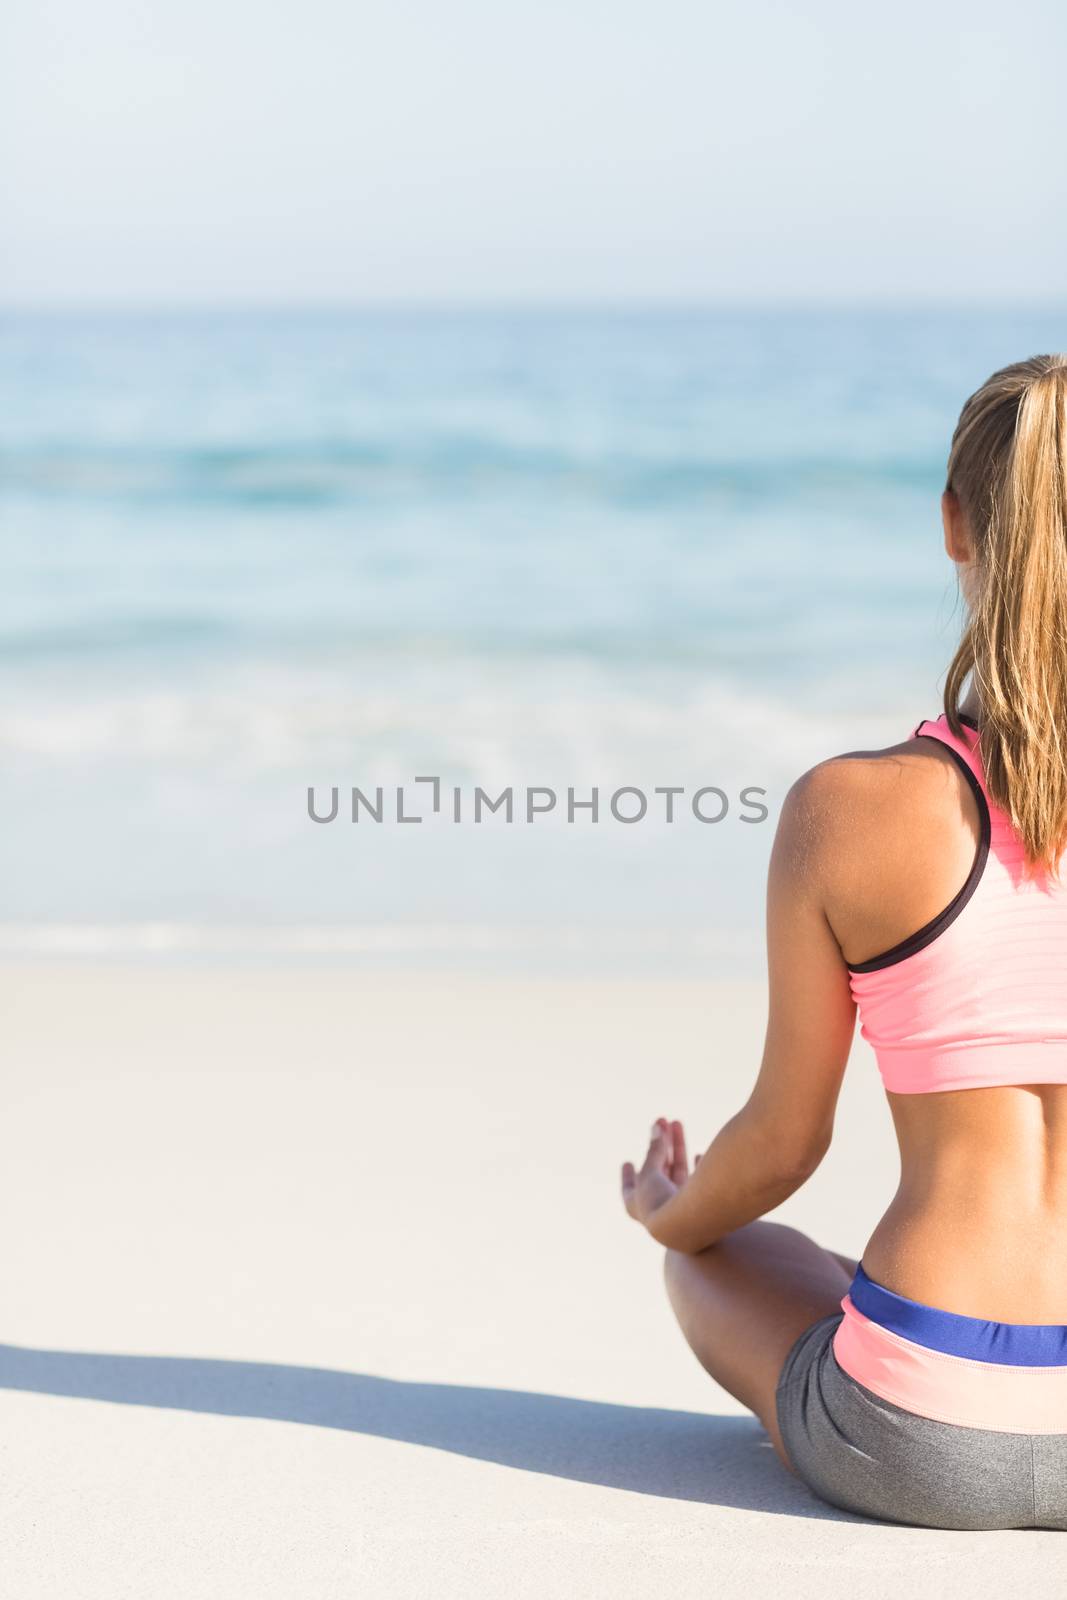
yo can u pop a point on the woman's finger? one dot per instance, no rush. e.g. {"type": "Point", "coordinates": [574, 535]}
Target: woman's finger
{"type": "Point", "coordinates": [658, 1147]}
{"type": "Point", "coordinates": [679, 1167]}
{"type": "Point", "coordinates": [629, 1185]}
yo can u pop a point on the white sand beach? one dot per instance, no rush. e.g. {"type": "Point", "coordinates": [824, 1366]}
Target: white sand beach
{"type": "Point", "coordinates": [317, 1285]}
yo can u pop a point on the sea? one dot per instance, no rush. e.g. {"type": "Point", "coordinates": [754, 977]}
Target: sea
{"type": "Point", "coordinates": [638, 564]}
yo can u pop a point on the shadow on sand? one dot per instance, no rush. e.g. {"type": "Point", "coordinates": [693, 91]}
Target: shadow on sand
{"type": "Point", "coordinates": [678, 1455]}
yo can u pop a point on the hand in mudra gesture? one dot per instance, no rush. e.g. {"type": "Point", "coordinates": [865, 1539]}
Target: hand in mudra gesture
{"type": "Point", "coordinates": [665, 1170]}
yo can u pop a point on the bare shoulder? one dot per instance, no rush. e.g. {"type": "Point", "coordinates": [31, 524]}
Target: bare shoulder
{"type": "Point", "coordinates": [870, 806]}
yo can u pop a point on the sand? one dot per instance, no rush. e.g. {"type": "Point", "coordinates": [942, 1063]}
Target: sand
{"type": "Point", "coordinates": [317, 1284]}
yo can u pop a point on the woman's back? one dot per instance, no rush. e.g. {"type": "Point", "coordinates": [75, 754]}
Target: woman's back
{"type": "Point", "coordinates": [966, 1020]}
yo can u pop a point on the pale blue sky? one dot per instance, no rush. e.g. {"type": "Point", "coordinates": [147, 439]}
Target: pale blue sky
{"type": "Point", "coordinates": [156, 151]}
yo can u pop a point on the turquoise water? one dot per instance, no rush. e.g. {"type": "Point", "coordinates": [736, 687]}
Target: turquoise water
{"type": "Point", "coordinates": [245, 554]}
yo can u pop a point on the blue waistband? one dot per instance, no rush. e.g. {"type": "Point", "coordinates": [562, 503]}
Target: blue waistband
{"type": "Point", "coordinates": [1009, 1344]}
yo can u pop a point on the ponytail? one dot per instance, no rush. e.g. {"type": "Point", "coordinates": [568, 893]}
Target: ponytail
{"type": "Point", "coordinates": [1008, 468]}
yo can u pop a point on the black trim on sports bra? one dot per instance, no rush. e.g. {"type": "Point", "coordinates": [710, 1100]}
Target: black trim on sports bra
{"type": "Point", "coordinates": [931, 930]}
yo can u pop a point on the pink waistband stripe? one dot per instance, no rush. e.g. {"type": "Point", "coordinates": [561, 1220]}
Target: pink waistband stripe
{"type": "Point", "coordinates": [947, 1388]}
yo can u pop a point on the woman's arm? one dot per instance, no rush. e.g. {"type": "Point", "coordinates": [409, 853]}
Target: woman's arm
{"type": "Point", "coordinates": [777, 1139]}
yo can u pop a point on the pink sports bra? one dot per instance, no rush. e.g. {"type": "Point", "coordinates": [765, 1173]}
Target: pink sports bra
{"type": "Point", "coordinates": [978, 996]}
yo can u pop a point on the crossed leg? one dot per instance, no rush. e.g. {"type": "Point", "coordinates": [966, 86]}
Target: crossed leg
{"type": "Point", "coordinates": [743, 1302]}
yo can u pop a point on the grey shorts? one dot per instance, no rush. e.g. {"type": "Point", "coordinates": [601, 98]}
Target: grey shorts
{"type": "Point", "coordinates": [863, 1454]}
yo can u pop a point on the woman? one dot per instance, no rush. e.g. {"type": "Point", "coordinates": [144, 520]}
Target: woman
{"type": "Point", "coordinates": [918, 884]}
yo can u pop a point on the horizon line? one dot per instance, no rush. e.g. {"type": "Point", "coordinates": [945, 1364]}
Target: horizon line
{"type": "Point", "coordinates": [489, 304]}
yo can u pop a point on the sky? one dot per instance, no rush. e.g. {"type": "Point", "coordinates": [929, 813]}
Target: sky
{"type": "Point", "coordinates": [157, 152]}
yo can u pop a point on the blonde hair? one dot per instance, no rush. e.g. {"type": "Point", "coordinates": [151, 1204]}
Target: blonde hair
{"type": "Point", "coordinates": [1008, 468]}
